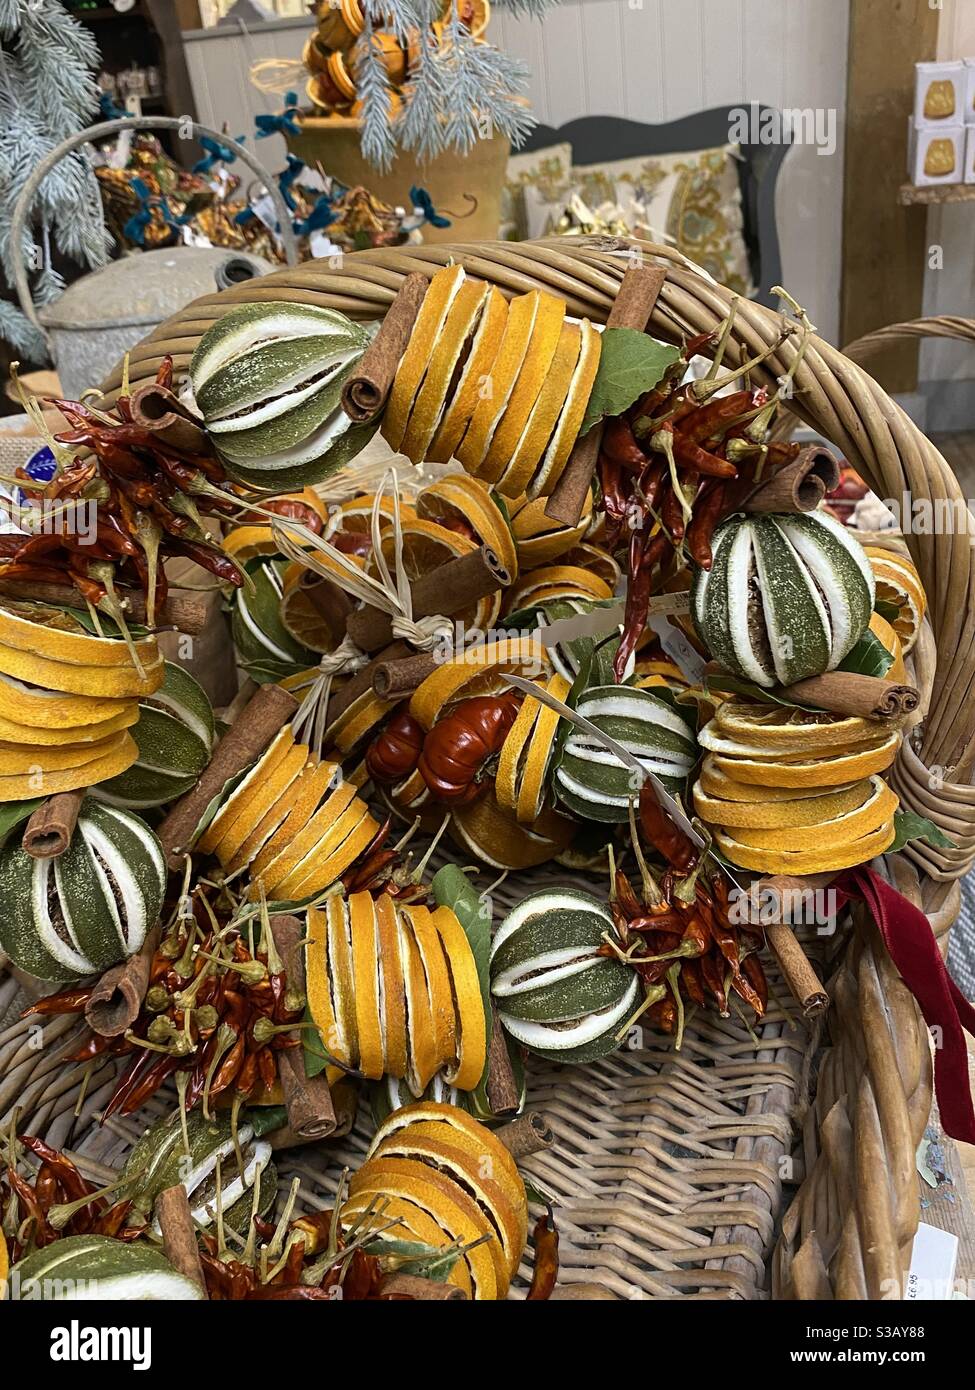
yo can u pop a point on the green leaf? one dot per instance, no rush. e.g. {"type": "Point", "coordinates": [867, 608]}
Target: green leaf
{"type": "Point", "coordinates": [452, 888]}
{"type": "Point", "coordinates": [265, 1119]}
{"type": "Point", "coordinates": [630, 363]}
{"type": "Point", "coordinates": [14, 813]}
{"type": "Point", "coordinates": [725, 682]}
{"type": "Point", "coordinates": [316, 1059]}
{"type": "Point", "coordinates": [887, 610]}
{"type": "Point", "coordinates": [910, 826]}
{"type": "Point", "coordinates": [868, 658]}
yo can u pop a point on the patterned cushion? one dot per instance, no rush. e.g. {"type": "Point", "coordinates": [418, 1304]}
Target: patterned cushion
{"type": "Point", "coordinates": [692, 201]}
{"type": "Point", "coordinates": [545, 170]}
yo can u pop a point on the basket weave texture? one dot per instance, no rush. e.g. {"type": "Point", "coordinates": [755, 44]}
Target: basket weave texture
{"type": "Point", "coordinates": [676, 1174]}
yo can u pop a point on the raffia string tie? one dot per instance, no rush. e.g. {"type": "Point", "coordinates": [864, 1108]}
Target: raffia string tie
{"type": "Point", "coordinates": [390, 592]}
{"type": "Point", "coordinates": [311, 721]}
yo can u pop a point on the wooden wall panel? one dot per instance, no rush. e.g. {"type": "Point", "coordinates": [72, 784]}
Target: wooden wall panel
{"type": "Point", "coordinates": [650, 60]}
{"type": "Point", "coordinates": [884, 244]}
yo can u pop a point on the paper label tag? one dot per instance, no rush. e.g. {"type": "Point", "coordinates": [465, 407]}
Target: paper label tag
{"type": "Point", "coordinates": [669, 603]}
{"type": "Point", "coordinates": [677, 647]}
{"type": "Point", "coordinates": [934, 1259]}
{"type": "Point", "coordinates": [264, 210]}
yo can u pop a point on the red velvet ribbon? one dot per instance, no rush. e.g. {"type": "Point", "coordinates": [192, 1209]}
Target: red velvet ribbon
{"type": "Point", "coordinates": [912, 946]}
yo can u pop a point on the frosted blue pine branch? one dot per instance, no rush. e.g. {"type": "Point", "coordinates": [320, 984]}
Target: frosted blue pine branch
{"type": "Point", "coordinates": [48, 92]}
{"type": "Point", "coordinates": [372, 89]}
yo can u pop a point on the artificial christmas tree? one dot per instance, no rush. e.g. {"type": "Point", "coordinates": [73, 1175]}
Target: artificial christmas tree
{"type": "Point", "coordinates": [47, 92]}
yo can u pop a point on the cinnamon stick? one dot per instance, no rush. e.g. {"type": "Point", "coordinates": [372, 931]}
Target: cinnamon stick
{"type": "Point", "coordinates": [799, 486]}
{"type": "Point", "coordinates": [187, 615]}
{"type": "Point", "coordinates": [448, 589]}
{"type": "Point", "coordinates": [848, 692]}
{"type": "Point", "coordinates": [308, 1099]}
{"type": "Point", "coordinates": [527, 1135]}
{"type": "Point", "coordinates": [179, 1233]}
{"type": "Point", "coordinates": [367, 389]}
{"type": "Point", "coordinates": [632, 307]}
{"type": "Point", "coordinates": [49, 830]}
{"type": "Point", "coordinates": [116, 1001]}
{"type": "Point", "coordinates": [503, 1092]}
{"type": "Point", "coordinates": [773, 895]}
{"type": "Point", "coordinates": [362, 680]}
{"type": "Point", "coordinates": [250, 734]}
{"type": "Point", "coordinates": [391, 680]}
{"type": "Point", "coordinates": [411, 1286]}
{"type": "Point", "coordinates": [161, 412]}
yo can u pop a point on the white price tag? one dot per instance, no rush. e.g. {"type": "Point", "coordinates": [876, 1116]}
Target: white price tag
{"type": "Point", "coordinates": [677, 647]}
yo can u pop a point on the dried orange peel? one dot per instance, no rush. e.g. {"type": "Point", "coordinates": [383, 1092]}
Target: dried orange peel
{"type": "Point", "coordinates": [426, 330]}
{"type": "Point", "coordinates": [539, 356]}
{"type": "Point", "coordinates": [480, 360]}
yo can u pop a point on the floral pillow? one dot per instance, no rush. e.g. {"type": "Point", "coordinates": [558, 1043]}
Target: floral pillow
{"type": "Point", "coordinates": [545, 171]}
{"type": "Point", "coordinates": [692, 201]}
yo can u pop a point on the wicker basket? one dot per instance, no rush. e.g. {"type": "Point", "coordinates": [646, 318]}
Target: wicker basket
{"type": "Point", "coordinates": [710, 1172]}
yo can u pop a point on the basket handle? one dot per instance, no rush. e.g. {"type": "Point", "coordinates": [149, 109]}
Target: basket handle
{"type": "Point", "coordinates": [96, 132]}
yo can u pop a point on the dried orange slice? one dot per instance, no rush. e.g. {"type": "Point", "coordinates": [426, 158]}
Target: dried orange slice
{"type": "Point", "coordinates": [811, 861]}
{"type": "Point", "coordinates": [899, 585]}
{"type": "Point", "coordinates": [422, 1060]}
{"type": "Point", "coordinates": [773, 815]}
{"type": "Point", "coordinates": [412, 1223]}
{"type": "Point", "coordinates": [265, 797]}
{"type": "Point", "coordinates": [480, 359]}
{"type": "Point", "coordinates": [838, 830]}
{"type": "Point", "coordinates": [467, 1066]}
{"type": "Point", "coordinates": [365, 982]}
{"type": "Point", "coordinates": [531, 794]}
{"type": "Point", "coordinates": [466, 1133]}
{"type": "Point", "coordinates": [115, 682]}
{"type": "Point", "coordinates": [428, 407]}
{"type": "Point", "coordinates": [555, 582]}
{"type": "Point", "coordinates": [475, 671]}
{"type": "Point", "coordinates": [358, 720]}
{"type": "Point", "coordinates": [55, 635]}
{"type": "Point", "coordinates": [288, 847]}
{"type": "Point", "coordinates": [392, 997]}
{"type": "Point", "coordinates": [459, 498]}
{"type": "Point", "coordinates": [539, 356]}
{"type": "Point", "coordinates": [495, 838]}
{"type": "Point", "coordinates": [716, 782]}
{"type": "Point", "coordinates": [508, 777]}
{"type": "Point", "coordinates": [440, 294]}
{"type": "Point", "coordinates": [779, 726]}
{"type": "Point", "coordinates": [886, 635]}
{"type": "Point", "coordinates": [319, 984]}
{"type": "Point", "coordinates": [454, 1212]}
{"type": "Point", "coordinates": [567, 429]}
{"type": "Point", "coordinates": [430, 1144]}
{"type": "Point", "coordinates": [497, 387]}
{"type": "Point", "coordinates": [248, 788]}
{"type": "Point", "coordinates": [535, 436]}
{"type": "Point", "coordinates": [341, 847]}
{"type": "Point", "coordinates": [538, 539]}
{"type": "Point", "coordinates": [820, 772]}
{"type": "Point", "coordinates": [595, 560]}
{"type": "Point", "coordinates": [341, 977]}
{"type": "Point", "coordinates": [438, 981]}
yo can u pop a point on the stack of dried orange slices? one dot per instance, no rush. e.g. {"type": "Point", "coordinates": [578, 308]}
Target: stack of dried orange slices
{"type": "Point", "coordinates": [393, 990]}
{"type": "Point", "coordinates": [500, 385]}
{"type": "Point", "coordinates": [67, 701]}
{"type": "Point", "coordinates": [791, 791]}
{"type": "Point", "coordinates": [444, 1177]}
{"type": "Point", "coordinates": [293, 822]}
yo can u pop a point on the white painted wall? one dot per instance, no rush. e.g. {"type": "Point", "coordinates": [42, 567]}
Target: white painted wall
{"type": "Point", "coordinates": [651, 61]}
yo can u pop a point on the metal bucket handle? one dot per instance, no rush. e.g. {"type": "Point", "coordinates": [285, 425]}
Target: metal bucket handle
{"type": "Point", "coordinates": [96, 132]}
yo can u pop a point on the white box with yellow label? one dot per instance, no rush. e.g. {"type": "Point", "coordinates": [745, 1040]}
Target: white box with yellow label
{"type": "Point", "coordinates": [936, 155]}
{"type": "Point", "coordinates": [940, 94]}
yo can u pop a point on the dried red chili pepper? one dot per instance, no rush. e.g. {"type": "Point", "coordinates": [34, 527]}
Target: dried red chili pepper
{"type": "Point", "coordinates": [457, 748]}
{"type": "Point", "coordinates": [664, 834]}
{"type": "Point", "coordinates": [394, 753]}
{"type": "Point", "coordinates": [708, 506]}
{"type": "Point", "coordinates": [545, 1271]}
